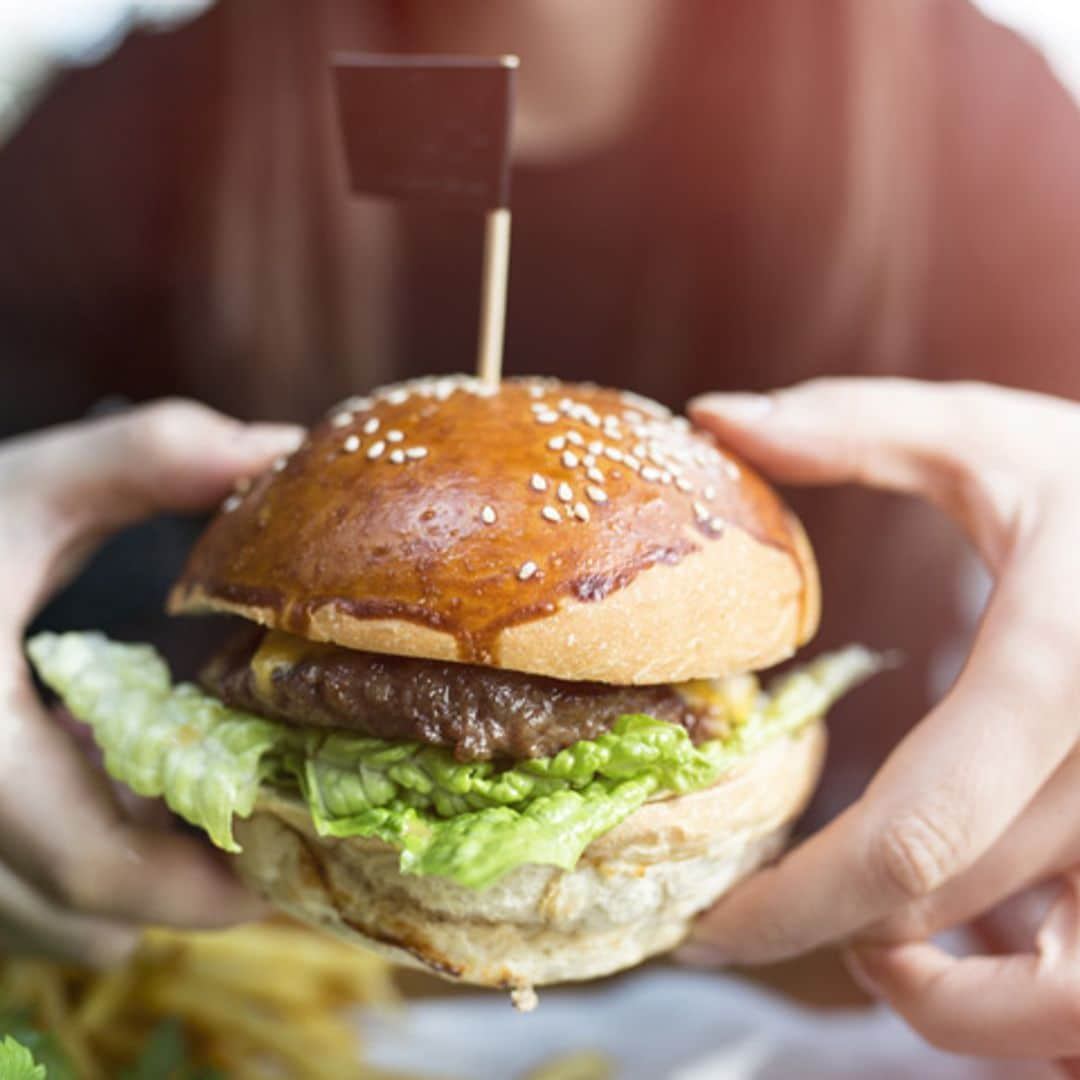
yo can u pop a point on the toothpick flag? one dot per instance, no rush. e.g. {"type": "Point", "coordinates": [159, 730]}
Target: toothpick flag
{"type": "Point", "coordinates": [436, 130]}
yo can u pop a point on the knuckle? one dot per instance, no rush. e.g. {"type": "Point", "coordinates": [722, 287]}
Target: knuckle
{"type": "Point", "coordinates": [162, 430]}
{"type": "Point", "coordinates": [914, 855]}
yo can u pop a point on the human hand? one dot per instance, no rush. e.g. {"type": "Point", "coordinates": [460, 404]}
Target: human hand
{"type": "Point", "coordinates": [78, 874]}
{"type": "Point", "coordinates": [982, 798]}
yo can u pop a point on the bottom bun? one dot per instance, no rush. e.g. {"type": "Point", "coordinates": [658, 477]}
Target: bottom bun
{"type": "Point", "coordinates": [633, 894]}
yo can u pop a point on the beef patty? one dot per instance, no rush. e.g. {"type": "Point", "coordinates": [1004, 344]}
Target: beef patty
{"type": "Point", "coordinates": [476, 712]}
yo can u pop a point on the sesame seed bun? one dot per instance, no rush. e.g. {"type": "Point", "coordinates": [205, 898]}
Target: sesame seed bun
{"type": "Point", "coordinates": [633, 894]}
{"type": "Point", "coordinates": [559, 529]}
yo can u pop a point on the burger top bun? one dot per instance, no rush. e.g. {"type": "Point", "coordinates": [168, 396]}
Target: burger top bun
{"type": "Point", "coordinates": [545, 527]}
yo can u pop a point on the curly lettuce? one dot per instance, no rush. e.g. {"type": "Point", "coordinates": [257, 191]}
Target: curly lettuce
{"type": "Point", "coordinates": [17, 1063]}
{"type": "Point", "coordinates": [471, 822]}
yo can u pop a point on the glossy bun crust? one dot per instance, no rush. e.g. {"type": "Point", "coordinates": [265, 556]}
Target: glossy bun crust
{"type": "Point", "coordinates": [559, 529]}
{"type": "Point", "coordinates": [633, 894]}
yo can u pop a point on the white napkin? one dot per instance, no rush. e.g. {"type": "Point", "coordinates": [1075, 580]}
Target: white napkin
{"type": "Point", "coordinates": [666, 1025]}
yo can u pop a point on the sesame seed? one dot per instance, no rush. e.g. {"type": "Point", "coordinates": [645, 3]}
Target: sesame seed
{"type": "Point", "coordinates": [547, 417]}
{"type": "Point", "coordinates": [537, 482]}
{"type": "Point", "coordinates": [596, 447]}
{"type": "Point", "coordinates": [589, 460]}
{"type": "Point", "coordinates": [575, 438]}
{"type": "Point", "coordinates": [356, 404]}
{"type": "Point", "coordinates": [527, 571]}
{"type": "Point", "coordinates": [550, 514]}
{"type": "Point", "coordinates": [536, 391]}
{"type": "Point", "coordinates": [709, 492]}
{"type": "Point", "coordinates": [592, 419]}
{"type": "Point", "coordinates": [566, 405]}
{"type": "Point", "coordinates": [398, 397]}
{"type": "Point", "coordinates": [631, 462]}
{"type": "Point", "coordinates": [717, 524]}
{"type": "Point", "coordinates": [397, 457]}
{"type": "Point", "coordinates": [231, 503]}
{"type": "Point", "coordinates": [613, 453]}
{"type": "Point", "coordinates": [570, 459]}
{"type": "Point", "coordinates": [540, 406]}
{"type": "Point", "coordinates": [351, 444]}
{"type": "Point", "coordinates": [394, 436]}
{"type": "Point", "coordinates": [557, 442]}
{"type": "Point", "coordinates": [371, 426]}
{"type": "Point", "coordinates": [581, 511]}
{"type": "Point", "coordinates": [649, 473]}
{"type": "Point", "coordinates": [640, 451]}
{"type": "Point", "coordinates": [665, 477]}
{"type": "Point", "coordinates": [732, 470]}
{"type": "Point", "coordinates": [598, 495]}
{"type": "Point", "coordinates": [595, 475]}
{"type": "Point", "coordinates": [375, 450]}
{"type": "Point", "coordinates": [415, 453]}
{"type": "Point", "coordinates": [343, 419]}
{"type": "Point", "coordinates": [683, 484]}
{"type": "Point", "coordinates": [487, 515]}
{"type": "Point", "coordinates": [701, 512]}
{"type": "Point", "coordinates": [565, 492]}
{"type": "Point", "coordinates": [280, 464]}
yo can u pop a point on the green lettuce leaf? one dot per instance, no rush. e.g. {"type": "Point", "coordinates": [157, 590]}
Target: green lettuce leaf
{"type": "Point", "coordinates": [17, 1063]}
{"type": "Point", "coordinates": [472, 822]}
{"type": "Point", "coordinates": [206, 760]}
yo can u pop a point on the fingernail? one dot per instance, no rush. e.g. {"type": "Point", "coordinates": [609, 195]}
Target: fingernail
{"type": "Point", "coordinates": [739, 407]}
{"type": "Point", "coordinates": [857, 968]}
{"type": "Point", "coordinates": [272, 438]}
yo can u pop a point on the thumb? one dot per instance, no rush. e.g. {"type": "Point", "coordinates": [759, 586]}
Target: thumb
{"type": "Point", "coordinates": [169, 455]}
{"type": "Point", "coordinates": [958, 445]}
{"type": "Point", "coordinates": [64, 489]}
{"type": "Point", "coordinates": [888, 433]}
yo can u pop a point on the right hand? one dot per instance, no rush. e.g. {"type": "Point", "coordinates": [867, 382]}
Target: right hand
{"type": "Point", "coordinates": [78, 874]}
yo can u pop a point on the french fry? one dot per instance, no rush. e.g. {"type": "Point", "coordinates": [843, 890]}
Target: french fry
{"type": "Point", "coordinates": [104, 997]}
{"type": "Point", "coordinates": [264, 1002]}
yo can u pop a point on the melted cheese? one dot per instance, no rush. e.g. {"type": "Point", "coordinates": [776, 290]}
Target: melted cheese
{"type": "Point", "coordinates": [280, 652]}
{"type": "Point", "coordinates": [721, 703]}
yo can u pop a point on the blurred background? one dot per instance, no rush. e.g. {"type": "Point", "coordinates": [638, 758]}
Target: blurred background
{"type": "Point", "coordinates": [707, 195]}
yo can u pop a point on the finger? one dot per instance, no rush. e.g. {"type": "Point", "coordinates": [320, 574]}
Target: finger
{"type": "Point", "coordinates": [31, 924]}
{"type": "Point", "coordinates": [66, 835]}
{"type": "Point", "coordinates": [67, 487]}
{"type": "Point", "coordinates": [935, 807]}
{"type": "Point", "coordinates": [955, 444]}
{"type": "Point", "coordinates": [168, 455]}
{"type": "Point", "coordinates": [1035, 848]}
{"type": "Point", "coordinates": [1015, 1006]}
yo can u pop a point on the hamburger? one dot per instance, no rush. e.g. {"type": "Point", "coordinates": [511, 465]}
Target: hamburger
{"type": "Point", "coordinates": [491, 708]}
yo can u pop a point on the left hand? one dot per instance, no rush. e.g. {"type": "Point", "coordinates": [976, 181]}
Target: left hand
{"type": "Point", "coordinates": [981, 800]}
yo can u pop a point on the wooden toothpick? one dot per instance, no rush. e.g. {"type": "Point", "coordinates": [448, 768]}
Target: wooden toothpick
{"type": "Point", "coordinates": [493, 296]}
{"type": "Point", "coordinates": [489, 349]}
